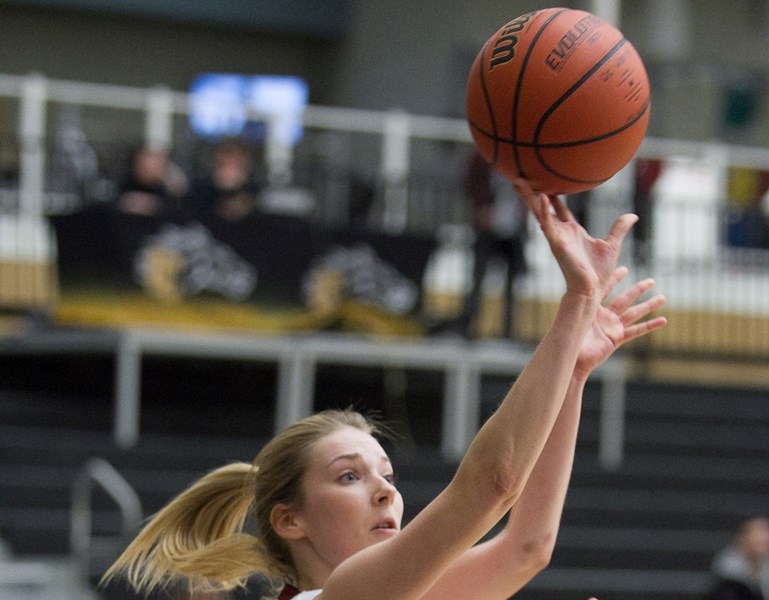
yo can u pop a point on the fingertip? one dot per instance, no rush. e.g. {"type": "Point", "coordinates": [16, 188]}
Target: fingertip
{"type": "Point", "coordinates": [619, 274]}
{"type": "Point", "coordinates": [522, 186]}
{"type": "Point", "coordinates": [647, 283]}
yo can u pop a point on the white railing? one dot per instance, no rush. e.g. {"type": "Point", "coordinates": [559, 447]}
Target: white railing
{"type": "Point", "coordinates": [688, 214]}
{"type": "Point", "coordinates": [84, 545]}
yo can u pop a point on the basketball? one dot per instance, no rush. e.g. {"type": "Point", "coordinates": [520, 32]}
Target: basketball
{"type": "Point", "coordinates": [558, 97]}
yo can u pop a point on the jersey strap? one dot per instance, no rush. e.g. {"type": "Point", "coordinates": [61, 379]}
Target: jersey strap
{"type": "Point", "coordinates": [288, 592]}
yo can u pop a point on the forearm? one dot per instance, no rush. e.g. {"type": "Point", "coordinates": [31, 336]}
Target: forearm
{"type": "Point", "coordinates": [508, 445]}
{"type": "Point", "coordinates": [501, 566]}
{"type": "Point", "coordinates": [535, 518]}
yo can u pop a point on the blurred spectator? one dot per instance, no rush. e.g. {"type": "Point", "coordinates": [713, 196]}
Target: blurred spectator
{"type": "Point", "coordinates": [154, 184]}
{"type": "Point", "coordinates": [361, 200]}
{"type": "Point", "coordinates": [750, 227]}
{"type": "Point", "coordinates": [229, 191]}
{"type": "Point", "coordinates": [647, 172]}
{"type": "Point", "coordinates": [742, 568]}
{"type": "Point", "coordinates": [578, 204]}
{"type": "Point", "coordinates": [499, 219]}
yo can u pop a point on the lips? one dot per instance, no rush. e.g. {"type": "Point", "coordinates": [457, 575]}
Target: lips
{"type": "Point", "coordinates": [386, 524]}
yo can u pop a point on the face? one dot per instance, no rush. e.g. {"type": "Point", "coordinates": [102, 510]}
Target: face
{"type": "Point", "coordinates": [150, 166]}
{"type": "Point", "coordinates": [350, 498]}
{"type": "Point", "coordinates": [755, 540]}
{"type": "Point", "coordinates": [231, 171]}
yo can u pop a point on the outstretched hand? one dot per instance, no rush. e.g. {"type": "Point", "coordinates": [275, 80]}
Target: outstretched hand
{"type": "Point", "coordinates": [589, 266]}
{"type": "Point", "coordinates": [587, 263]}
{"type": "Point", "coordinates": [619, 322]}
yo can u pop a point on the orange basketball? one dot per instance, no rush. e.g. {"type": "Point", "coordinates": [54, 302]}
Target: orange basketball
{"type": "Point", "coordinates": [560, 98]}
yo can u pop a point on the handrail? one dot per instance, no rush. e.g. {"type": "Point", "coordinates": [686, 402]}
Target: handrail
{"type": "Point", "coordinates": [99, 471]}
{"type": "Point", "coordinates": [396, 128]}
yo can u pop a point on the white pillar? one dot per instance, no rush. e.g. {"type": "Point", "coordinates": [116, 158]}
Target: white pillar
{"type": "Point", "coordinates": [396, 154]}
{"type": "Point", "coordinates": [667, 25]}
{"type": "Point", "coordinates": [609, 10]}
{"type": "Point", "coordinates": [32, 138]}
{"type": "Point", "coordinates": [279, 151]}
{"type": "Point", "coordinates": [158, 126]}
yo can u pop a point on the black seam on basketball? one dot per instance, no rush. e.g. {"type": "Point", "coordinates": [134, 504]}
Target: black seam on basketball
{"type": "Point", "coordinates": [575, 86]}
{"type": "Point", "coordinates": [518, 91]}
{"type": "Point", "coordinates": [550, 145]}
{"type": "Point", "coordinates": [561, 100]}
{"type": "Point", "coordinates": [597, 138]}
{"type": "Point", "coordinates": [489, 106]}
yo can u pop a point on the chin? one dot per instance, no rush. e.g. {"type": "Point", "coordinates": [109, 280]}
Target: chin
{"type": "Point", "coordinates": [384, 534]}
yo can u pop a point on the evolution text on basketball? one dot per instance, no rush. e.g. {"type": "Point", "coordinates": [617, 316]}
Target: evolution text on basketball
{"type": "Point", "coordinates": [569, 41]}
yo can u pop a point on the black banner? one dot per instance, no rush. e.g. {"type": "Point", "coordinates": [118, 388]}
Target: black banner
{"type": "Point", "coordinates": [268, 264]}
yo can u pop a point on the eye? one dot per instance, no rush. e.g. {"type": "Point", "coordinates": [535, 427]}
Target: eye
{"type": "Point", "coordinates": [391, 478]}
{"type": "Point", "coordinates": [348, 477]}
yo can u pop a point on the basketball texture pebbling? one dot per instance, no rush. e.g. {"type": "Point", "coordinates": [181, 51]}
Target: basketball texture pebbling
{"type": "Point", "coordinates": [559, 97]}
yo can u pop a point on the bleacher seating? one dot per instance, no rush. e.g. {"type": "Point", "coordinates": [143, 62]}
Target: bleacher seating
{"type": "Point", "coordinates": [695, 464]}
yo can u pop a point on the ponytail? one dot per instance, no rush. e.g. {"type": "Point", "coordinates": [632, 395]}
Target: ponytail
{"type": "Point", "coordinates": [199, 536]}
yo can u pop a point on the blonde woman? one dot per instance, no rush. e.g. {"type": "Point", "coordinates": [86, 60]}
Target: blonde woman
{"type": "Point", "coordinates": [322, 495]}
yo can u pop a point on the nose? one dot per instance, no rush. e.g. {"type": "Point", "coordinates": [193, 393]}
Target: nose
{"type": "Point", "coordinates": [386, 492]}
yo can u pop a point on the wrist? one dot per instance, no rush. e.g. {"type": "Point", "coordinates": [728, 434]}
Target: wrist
{"type": "Point", "coordinates": [574, 318]}
{"type": "Point", "coordinates": [580, 374]}
{"type": "Point", "coordinates": [587, 300]}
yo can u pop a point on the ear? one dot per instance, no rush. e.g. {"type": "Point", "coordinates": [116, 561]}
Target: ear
{"type": "Point", "coordinates": [285, 523]}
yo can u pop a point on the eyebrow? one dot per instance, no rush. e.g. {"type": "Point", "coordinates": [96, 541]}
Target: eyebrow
{"type": "Point", "coordinates": [355, 456]}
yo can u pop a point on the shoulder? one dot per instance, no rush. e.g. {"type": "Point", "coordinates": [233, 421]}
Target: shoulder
{"type": "Point", "coordinates": [729, 589]}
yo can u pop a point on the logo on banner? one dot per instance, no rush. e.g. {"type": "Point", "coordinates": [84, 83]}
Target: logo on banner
{"type": "Point", "coordinates": [184, 261]}
{"type": "Point", "coordinates": [360, 274]}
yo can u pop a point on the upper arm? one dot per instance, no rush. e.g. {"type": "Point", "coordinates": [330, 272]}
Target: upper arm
{"type": "Point", "coordinates": [492, 570]}
{"type": "Point", "coordinates": [408, 565]}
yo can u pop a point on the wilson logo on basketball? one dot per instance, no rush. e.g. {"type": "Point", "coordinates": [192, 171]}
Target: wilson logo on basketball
{"type": "Point", "coordinates": [504, 48]}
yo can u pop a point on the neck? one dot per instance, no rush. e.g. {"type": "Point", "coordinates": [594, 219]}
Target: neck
{"type": "Point", "coordinates": [312, 569]}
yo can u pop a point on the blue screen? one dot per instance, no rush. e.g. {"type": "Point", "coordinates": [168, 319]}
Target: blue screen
{"type": "Point", "coordinates": [226, 105]}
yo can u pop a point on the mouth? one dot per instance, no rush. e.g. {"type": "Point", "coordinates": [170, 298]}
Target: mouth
{"type": "Point", "coordinates": [386, 525]}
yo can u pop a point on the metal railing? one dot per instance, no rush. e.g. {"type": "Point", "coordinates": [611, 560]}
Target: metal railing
{"type": "Point", "coordinates": [84, 545]}
{"type": "Point", "coordinates": [719, 292]}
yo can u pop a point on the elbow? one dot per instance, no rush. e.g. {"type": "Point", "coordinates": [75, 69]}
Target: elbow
{"type": "Point", "coordinates": [536, 555]}
{"type": "Point", "coordinates": [504, 486]}
{"type": "Point", "coordinates": [541, 558]}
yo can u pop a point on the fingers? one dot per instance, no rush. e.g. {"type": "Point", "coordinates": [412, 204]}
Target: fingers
{"type": "Point", "coordinates": [620, 228]}
{"type": "Point", "coordinates": [619, 274]}
{"type": "Point", "coordinates": [530, 197]}
{"type": "Point", "coordinates": [625, 305]}
{"type": "Point", "coordinates": [561, 210]}
{"type": "Point", "coordinates": [635, 331]}
{"type": "Point", "coordinates": [631, 314]}
{"type": "Point", "coordinates": [626, 299]}
{"type": "Point", "coordinates": [639, 311]}
{"type": "Point", "coordinates": [541, 204]}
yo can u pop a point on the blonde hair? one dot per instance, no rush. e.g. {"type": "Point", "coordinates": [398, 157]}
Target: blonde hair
{"type": "Point", "coordinates": [199, 536]}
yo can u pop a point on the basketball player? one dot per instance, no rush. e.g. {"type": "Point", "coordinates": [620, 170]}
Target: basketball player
{"type": "Point", "coordinates": [322, 494]}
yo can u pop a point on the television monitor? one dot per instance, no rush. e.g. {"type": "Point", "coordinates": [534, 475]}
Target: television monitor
{"type": "Point", "coordinates": [228, 105]}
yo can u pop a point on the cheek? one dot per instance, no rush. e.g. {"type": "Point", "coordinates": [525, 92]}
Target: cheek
{"type": "Point", "coordinates": [399, 507]}
{"type": "Point", "coordinates": [320, 506]}
{"type": "Point", "coordinates": [328, 511]}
